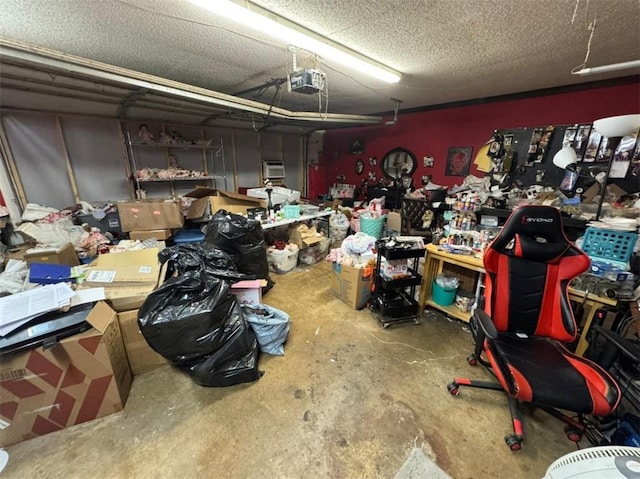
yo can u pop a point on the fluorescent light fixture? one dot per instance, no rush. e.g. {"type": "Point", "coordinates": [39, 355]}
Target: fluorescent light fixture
{"type": "Point", "coordinates": [614, 67]}
{"type": "Point", "coordinates": [258, 18]}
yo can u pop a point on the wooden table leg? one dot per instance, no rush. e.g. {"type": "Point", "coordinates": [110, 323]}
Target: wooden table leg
{"type": "Point", "coordinates": [583, 343]}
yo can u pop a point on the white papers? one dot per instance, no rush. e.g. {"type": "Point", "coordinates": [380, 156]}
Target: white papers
{"type": "Point", "coordinates": [84, 296]}
{"type": "Point", "coordinates": [17, 309]}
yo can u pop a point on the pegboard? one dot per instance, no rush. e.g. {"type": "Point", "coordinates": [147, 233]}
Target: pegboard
{"type": "Point", "coordinates": [552, 174]}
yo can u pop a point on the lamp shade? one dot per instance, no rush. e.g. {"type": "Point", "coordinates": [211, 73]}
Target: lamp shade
{"type": "Point", "coordinates": [617, 126]}
{"type": "Point", "coordinates": [565, 157]}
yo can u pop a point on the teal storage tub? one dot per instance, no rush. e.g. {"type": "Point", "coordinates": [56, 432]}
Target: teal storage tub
{"type": "Point", "coordinates": [443, 296]}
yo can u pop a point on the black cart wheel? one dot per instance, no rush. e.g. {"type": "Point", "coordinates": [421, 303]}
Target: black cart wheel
{"type": "Point", "coordinates": [514, 442]}
{"type": "Point", "coordinates": [573, 434]}
{"type": "Point", "coordinates": [471, 359]}
{"type": "Point", "coordinates": [453, 389]}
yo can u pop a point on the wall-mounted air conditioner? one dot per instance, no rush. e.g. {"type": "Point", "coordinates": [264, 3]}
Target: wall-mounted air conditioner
{"type": "Point", "coordinates": [273, 169]}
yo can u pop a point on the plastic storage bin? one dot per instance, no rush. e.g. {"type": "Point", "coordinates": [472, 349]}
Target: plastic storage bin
{"type": "Point", "coordinates": [314, 254]}
{"type": "Point", "coordinates": [443, 296]}
{"type": "Point", "coordinates": [291, 211]}
{"type": "Point", "coordinates": [188, 236]}
{"type": "Point", "coordinates": [372, 226]}
{"type": "Point", "coordinates": [609, 244]}
{"type": "Point", "coordinates": [282, 260]}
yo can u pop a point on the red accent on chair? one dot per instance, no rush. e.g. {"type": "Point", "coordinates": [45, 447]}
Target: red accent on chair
{"type": "Point", "coordinates": [598, 387]}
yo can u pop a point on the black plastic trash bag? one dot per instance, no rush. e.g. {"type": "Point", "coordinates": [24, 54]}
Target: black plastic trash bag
{"type": "Point", "coordinates": [235, 362]}
{"type": "Point", "coordinates": [200, 257]}
{"type": "Point", "coordinates": [243, 240]}
{"type": "Point", "coordinates": [187, 316]}
{"type": "Point", "coordinates": [271, 326]}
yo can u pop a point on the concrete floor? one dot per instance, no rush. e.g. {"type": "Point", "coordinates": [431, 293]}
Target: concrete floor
{"type": "Point", "coordinates": [348, 399]}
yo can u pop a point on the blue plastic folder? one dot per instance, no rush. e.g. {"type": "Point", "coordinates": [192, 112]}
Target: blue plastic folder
{"type": "Point", "coordinates": [45, 273]}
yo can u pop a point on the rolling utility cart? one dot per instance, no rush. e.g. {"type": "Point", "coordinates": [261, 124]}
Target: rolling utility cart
{"type": "Point", "coordinates": [395, 280]}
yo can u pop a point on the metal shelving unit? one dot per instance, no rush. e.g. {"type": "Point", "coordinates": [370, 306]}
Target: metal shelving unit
{"type": "Point", "coordinates": [210, 153]}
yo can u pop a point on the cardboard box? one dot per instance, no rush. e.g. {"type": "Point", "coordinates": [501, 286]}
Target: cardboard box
{"type": "Point", "coordinates": [64, 255]}
{"type": "Point", "coordinates": [394, 268]}
{"type": "Point", "coordinates": [84, 377]}
{"type": "Point", "coordinates": [612, 191]}
{"type": "Point", "coordinates": [350, 285]}
{"type": "Point", "coordinates": [122, 296]}
{"type": "Point", "coordinates": [145, 235]}
{"type": "Point", "coordinates": [304, 237]}
{"type": "Point", "coordinates": [394, 221]}
{"type": "Point", "coordinates": [142, 358]}
{"type": "Point", "coordinates": [249, 291]}
{"type": "Point", "coordinates": [149, 215]}
{"type": "Point", "coordinates": [208, 201]}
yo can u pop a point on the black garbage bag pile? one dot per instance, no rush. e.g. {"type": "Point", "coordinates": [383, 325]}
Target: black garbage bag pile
{"type": "Point", "coordinates": [195, 322]}
{"type": "Point", "coordinates": [200, 257]}
{"type": "Point", "coordinates": [243, 240]}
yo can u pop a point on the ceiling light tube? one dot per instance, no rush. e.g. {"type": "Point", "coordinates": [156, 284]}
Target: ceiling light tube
{"type": "Point", "coordinates": [609, 68]}
{"type": "Point", "coordinates": [263, 20]}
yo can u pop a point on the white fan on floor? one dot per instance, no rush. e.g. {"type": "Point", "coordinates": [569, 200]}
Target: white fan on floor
{"type": "Point", "coordinates": [602, 462]}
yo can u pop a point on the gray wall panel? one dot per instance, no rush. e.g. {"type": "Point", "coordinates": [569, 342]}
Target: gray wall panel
{"type": "Point", "coordinates": [95, 151]}
{"type": "Point", "coordinates": [292, 153]}
{"type": "Point", "coordinates": [37, 150]}
{"type": "Point", "coordinates": [248, 158]}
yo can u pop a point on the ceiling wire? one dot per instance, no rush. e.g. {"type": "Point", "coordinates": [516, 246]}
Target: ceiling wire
{"type": "Point", "coordinates": [592, 27]}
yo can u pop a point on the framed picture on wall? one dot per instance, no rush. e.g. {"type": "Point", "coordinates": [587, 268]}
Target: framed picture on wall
{"type": "Point", "coordinates": [591, 151]}
{"type": "Point", "coordinates": [356, 146]}
{"type": "Point", "coordinates": [458, 161]}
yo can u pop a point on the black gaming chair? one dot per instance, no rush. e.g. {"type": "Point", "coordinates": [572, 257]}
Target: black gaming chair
{"type": "Point", "coordinates": [526, 319]}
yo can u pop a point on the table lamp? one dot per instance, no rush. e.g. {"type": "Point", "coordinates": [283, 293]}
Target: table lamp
{"type": "Point", "coordinates": [614, 128]}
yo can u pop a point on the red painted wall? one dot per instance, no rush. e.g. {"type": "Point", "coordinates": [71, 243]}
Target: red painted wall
{"type": "Point", "coordinates": [431, 133]}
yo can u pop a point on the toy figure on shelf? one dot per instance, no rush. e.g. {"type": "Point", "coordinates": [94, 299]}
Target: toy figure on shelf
{"type": "Point", "coordinates": [145, 135]}
{"type": "Point", "coordinates": [268, 186]}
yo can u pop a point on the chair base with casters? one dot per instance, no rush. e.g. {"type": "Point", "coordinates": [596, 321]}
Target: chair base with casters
{"type": "Point", "coordinates": [574, 429]}
{"type": "Point", "coordinates": [521, 333]}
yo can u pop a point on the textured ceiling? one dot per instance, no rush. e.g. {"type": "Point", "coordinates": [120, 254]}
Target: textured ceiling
{"type": "Point", "coordinates": [447, 50]}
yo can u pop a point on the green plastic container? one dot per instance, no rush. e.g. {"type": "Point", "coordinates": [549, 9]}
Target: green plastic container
{"type": "Point", "coordinates": [443, 296]}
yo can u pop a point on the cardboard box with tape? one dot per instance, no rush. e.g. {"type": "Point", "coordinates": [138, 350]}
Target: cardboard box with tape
{"type": "Point", "coordinates": [149, 215]}
{"type": "Point", "coordinates": [83, 377]}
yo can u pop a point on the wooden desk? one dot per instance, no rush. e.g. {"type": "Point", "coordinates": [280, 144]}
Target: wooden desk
{"type": "Point", "coordinates": [469, 268]}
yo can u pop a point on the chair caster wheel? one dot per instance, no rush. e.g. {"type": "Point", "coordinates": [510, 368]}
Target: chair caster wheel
{"type": "Point", "coordinates": [471, 359]}
{"type": "Point", "coordinates": [385, 325]}
{"type": "Point", "coordinates": [573, 434]}
{"type": "Point", "coordinates": [514, 442]}
{"type": "Point", "coordinates": [453, 389]}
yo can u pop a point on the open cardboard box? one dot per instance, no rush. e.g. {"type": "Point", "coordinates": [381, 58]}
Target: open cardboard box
{"type": "Point", "coordinates": [209, 200]}
{"type": "Point", "coordinates": [83, 377]}
{"type": "Point", "coordinates": [350, 285]}
{"type": "Point", "coordinates": [125, 296]}
{"type": "Point", "coordinates": [63, 255]}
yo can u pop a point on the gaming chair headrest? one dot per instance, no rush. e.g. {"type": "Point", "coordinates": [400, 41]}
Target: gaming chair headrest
{"type": "Point", "coordinates": [534, 233]}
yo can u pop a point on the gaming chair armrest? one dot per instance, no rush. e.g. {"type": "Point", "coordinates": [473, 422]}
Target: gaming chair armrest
{"type": "Point", "coordinates": [627, 348]}
{"type": "Point", "coordinates": [485, 322]}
